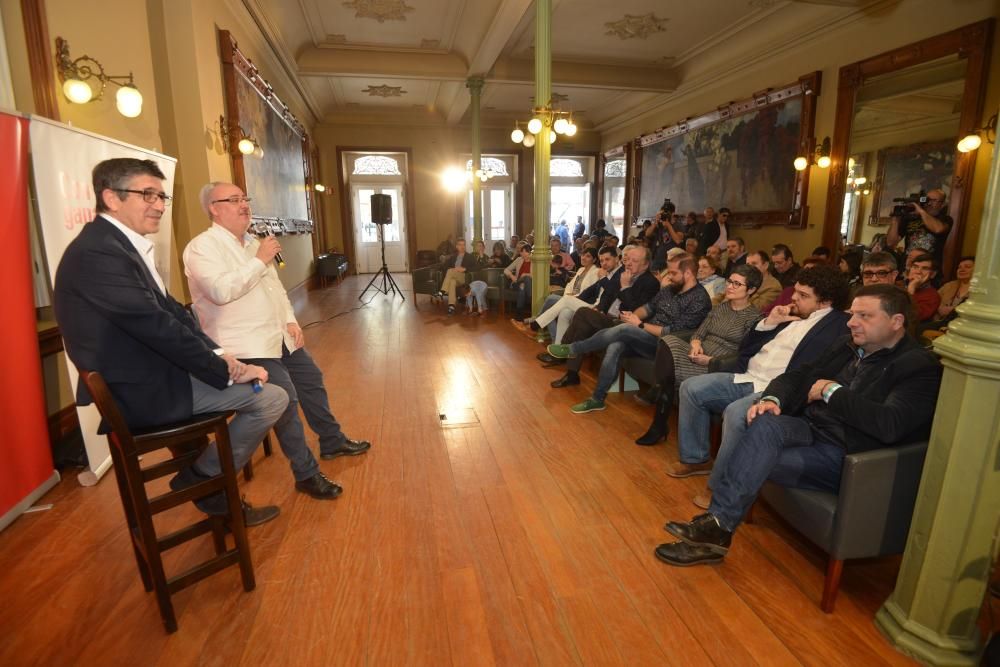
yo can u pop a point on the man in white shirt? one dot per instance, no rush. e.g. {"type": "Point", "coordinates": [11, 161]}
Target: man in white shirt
{"type": "Point", "coordinates": [118, 319]}
{"type": "Point", "coordinates": [241, 303]}
{"type": "Point", "coordinates": [789, 336]}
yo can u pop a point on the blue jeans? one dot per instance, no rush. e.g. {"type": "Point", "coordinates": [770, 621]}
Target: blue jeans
{"type": "Point", "coordinates": [776, 447]}
{"type": "Point", "coordinates": [523, 287]}
{"type": "Point", "coordinates": [623, 340]}
{"type": "Point", "coordinates": [299, 376]}
{"type": "Point", "coordinates": [701, 396]}
{"type": "Point", "coordinates": [734, 426]}
{"type": "Point", "coordinates": [478, 292]}
{"type": "Point", "coordinates": [550, 301]}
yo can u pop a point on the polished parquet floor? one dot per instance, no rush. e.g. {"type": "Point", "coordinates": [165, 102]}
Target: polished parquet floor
{"type": "Point", "coordinates": [487, 525]}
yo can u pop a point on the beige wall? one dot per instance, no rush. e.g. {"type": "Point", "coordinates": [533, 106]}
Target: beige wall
{"type": "Point", "coordinates": [881, 30]}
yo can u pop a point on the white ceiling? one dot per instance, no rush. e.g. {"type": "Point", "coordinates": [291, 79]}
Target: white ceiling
{"type": "Point", "coordinates": [343, 50]}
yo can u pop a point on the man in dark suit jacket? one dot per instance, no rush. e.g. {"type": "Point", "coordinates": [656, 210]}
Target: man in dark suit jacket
{"type": "Point", "coordinates": [875, 388]}
{"type": "Point", "coordinates": [456, 266]}
{"type": "Point", "coordinates": [789, 337]}
{"type": "Point", "coordinates": [117, 318]}
{"type": "Point", "coordinates": [633, 289]}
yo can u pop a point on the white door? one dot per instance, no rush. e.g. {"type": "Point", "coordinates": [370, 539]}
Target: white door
{"type": "Point", "coordinates": [367, 248]}
{"type": "Point", "coordinates": [498, 219]}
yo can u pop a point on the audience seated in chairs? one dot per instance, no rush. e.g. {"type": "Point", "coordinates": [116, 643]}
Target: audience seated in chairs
{"type": "Point", "coordinates": [557, 311]}
{"type": "Point", "coordinates": [479, 255]}
{"type": "Point", "coordinates": [718, 336]}
{"type": "Point", "coordinates": [680, 304]}
{"type": "Point", "coordinates": [519, 275]}
{"type": "Point", "coordinates": [630, 289]}
{"type": "Point", "coordinates": [499, 259]}
{"type": "Point", "coordinates": [709, 278]}
{"type": "Point", "coordinates": [789, 337]}
{"type": "Point", "coordinates": [456, 265]}
{"type": "Point", "coordinates": [557, 275]}
{"type": "Point", "coordinates": [920, 285]}
{"type": "Point", "coordinates": [785, 297]}
{"type": "Point", "coordinates": [879, 268]}
{"type": "Point", "coordinates": [952, 294]}
{"type": "Point", "coordinates": [555, 247]}
{"type": "Point", "coordinates": [783, 266]}
{"type": "Point", "coordinates": [736, 249]}
{"type": "Point", "coordinates": [770, 288]}
{"type": "Point", "coordinates": [875, 388]}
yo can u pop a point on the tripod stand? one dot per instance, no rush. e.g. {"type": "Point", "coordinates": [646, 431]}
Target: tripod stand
{"type": "Point", "coordinates": [388, 284]}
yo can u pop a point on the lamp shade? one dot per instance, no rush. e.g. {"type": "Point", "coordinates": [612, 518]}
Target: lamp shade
{"type": "Point", "coordinates": [823, 162]}
{"type": "Point", "coordinates": [560, 125]}
{"type": "Point", "coordinates": [529, 141]}
{"type": "Point", "coordinates": [571, 129]}
{"type": "Point", "coordinates": [800, 163]}
{"type": "Point", "coordinates": [535, 125]}
{"type": "Point", "coordinates": [552, 137]}
{"type": "Point", "coordinates": [517, 136]}
{"type": "Point", "coordinates": [77, 91]}
{"type": "Point", "coordinates": [128, 99]}
{"type": "Point", "coordinates": [970, 142]}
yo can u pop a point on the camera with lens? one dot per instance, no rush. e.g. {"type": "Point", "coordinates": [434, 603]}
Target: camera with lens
{"type": "Point", "coordinates": [904, 205]}
{"type": "Point", "coordinates": [668, 207]}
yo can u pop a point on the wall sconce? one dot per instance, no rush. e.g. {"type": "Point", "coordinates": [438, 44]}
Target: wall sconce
{"type": "Point", "coordinates": [319, 187]}
{"type": "Point", "coordinates": [560, 121]}
{"type": "Point", "coordinates": [972, 141]}
{"type": "Point", "coordinates": [820, 156]}
{"type": "Point", "coordinates": [76, 73]}
{"type": "Point", "coordinates": [856, 185]}
{"type": "Point", "coordinates": [245, 144]}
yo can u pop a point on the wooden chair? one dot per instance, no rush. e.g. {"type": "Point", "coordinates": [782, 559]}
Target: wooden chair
{"type": "Point", "coordinates": [248, 466]}
{"type": "Point", "coordinates": [185, 440]}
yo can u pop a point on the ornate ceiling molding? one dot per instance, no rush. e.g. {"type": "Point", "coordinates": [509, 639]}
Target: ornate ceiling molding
{"type": "Point", "coordinates": [385, 91]}
{"type": "Point", "coordinates": [632, 27]}
{"type": "Point", "coordinates": [380, 10]}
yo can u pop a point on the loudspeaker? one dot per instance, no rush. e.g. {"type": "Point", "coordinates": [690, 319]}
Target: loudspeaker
{"type": "Point", "coordinates": [381, 209]}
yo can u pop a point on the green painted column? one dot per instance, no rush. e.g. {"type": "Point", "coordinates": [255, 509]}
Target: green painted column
{"type": "Point", "coordinates": [931, 615]}
{"type": "Point", "coordinates": [475, 86]}
{"type": "Point", "coordinates": [540, 254]}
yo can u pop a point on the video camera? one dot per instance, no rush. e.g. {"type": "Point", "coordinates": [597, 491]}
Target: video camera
{"type": "Point", "coordinates": [904, 205]}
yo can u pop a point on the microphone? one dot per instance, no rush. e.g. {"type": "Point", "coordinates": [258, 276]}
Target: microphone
{"type": "Point", "coordinates": [256, 385]}
{"type": "Point", "coordinates": [279, 260]}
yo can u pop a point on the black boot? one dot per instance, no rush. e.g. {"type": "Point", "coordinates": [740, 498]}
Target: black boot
{"type": "Point", "coordinates": [660, 427]}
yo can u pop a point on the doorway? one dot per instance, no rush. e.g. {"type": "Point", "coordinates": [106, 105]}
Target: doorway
{"type": "Point", "coordinates": [367, 248]}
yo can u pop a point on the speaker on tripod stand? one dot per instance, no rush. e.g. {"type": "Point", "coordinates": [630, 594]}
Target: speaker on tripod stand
{"type": "Point", "coordinates": [381, 211]}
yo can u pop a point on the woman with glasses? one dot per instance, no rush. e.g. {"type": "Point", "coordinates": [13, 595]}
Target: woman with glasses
{"type": "Point", "coordinates": [719, 335]}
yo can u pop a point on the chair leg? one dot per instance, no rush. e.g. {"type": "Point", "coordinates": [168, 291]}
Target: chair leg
{"type": "Point", "coordinates": [236, 520]}
{"type": "Point", "coordinates": [248, 470]}
{"type": "Point", "coordinates": [831, 586]}
{"type": "Point", "coordinates": [267, 444]}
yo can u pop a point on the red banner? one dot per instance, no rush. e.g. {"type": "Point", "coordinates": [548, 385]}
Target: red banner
{"type": "Point", "coordinates": [25, 456]}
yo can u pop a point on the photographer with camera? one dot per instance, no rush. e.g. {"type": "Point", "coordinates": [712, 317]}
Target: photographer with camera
{"type": "Point", "coordinates": [921, 223]}
{"type": "Point", "coordinates": [662, 235]}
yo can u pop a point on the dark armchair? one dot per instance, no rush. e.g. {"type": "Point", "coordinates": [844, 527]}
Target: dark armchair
{"type": "Point", "coordinates": [426, 280]}
{"type": "Point", "coordinates": [869, 517]}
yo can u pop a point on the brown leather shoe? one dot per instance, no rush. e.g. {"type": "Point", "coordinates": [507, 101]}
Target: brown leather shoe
{"type": "Point", "coordinates": [680, 469]}
{"type": "Point", "coordinates": [702, 500]}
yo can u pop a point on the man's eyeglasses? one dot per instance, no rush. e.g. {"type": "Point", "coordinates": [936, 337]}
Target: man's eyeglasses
{"type": "Point", "coordinates": [733, 283]}
{"type": "Point", "coordinates": [933, 200]}
{"type": "Point", "coordinates": [235, 199]}
{"type": "Point", "coordinates": [149, 195]}
{"type": "Point", "coordinates": [881, 273]}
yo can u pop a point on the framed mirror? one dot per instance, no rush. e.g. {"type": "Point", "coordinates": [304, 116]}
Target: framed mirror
{"type": "Point", "coordinates": [898, 112]}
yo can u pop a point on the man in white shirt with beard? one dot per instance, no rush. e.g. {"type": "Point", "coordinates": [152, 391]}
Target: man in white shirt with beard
{"type": "Point", "coordinates": [241, 303]}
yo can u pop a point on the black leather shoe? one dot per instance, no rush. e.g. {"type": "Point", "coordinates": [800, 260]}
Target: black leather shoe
{"type": "Point", "coordinates": [685, 555]}
{"type": "Point", "coordinates": [319, 487]}
{"type": "Point", "coordinates": [349, 448]}
{"type": "Point", "coordinates": [254, 516]}
{"type": "Point", "coordinates": [548, 359]}
{"type": "Point", "coordinates": [702, 531]}
{"type": "Point", "coordinates": [569, 379]}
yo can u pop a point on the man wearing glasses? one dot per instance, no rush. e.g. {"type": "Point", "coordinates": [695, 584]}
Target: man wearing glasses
{"type": "Point", "coordinates": [240, 302]}
{"type": "Point", "coordinates": [879, 268]}
{"type": "Point", "coordinates": [117, 318]}
{"type": "Point", "coordinates": [924, 228]}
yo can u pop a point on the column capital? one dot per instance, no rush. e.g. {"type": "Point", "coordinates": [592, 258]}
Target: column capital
{"type": "Point", "coordinates": [474, 83]}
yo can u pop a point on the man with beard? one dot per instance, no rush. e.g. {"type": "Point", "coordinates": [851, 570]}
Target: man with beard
{"type": "Point", "coordinates": [790, 336]}
{"type": "Point", "coordinates": [681, 304]}
{"type": "Point", "coordinates": [874, 388]}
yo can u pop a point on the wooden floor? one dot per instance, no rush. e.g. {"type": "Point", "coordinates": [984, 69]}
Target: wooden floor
{"type": "Point", "coordinates": [487, 525]}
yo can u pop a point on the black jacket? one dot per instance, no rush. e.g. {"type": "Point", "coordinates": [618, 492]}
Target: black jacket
{"type": "Point", "coordinates": [638, 294]}
{"type": "Point", "coordinates": [811, 347]}
{"type": "Point", "coordinates": [468, 262]}
{"type": "Point", "coordinates": [591, 293]}
{"type": "Point", "coordinates": [115, 320]}
{"type": "Point", "coordinates": [887, 397]}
